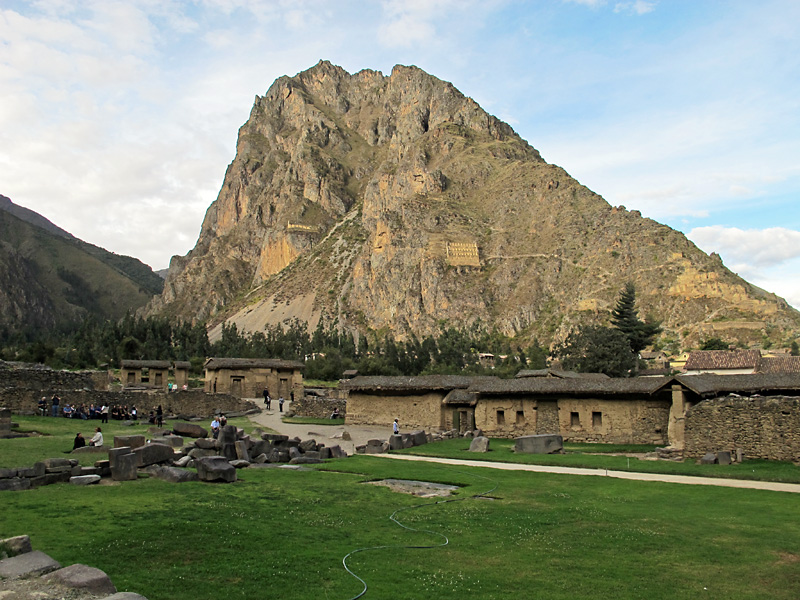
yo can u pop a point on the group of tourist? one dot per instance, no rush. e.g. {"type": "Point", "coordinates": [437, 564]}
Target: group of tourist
{"type": "Point", "coordinates": [268, 400]}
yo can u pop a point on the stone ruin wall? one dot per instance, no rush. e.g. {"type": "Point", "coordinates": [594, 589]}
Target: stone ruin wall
{"type": "Point", "coordinates": [319, 407]}
{"type": "Point", "coordinates": [190, 402]}
{"type": "Point", "coordinates": [765, 427]}
{"type": "Point", "coordinates": [48, 379]}
{"type": "Point", "coordinates": [414, 412]}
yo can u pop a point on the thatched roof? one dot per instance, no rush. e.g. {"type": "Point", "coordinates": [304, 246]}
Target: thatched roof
{"type": "Point", "coordinates": [461, 398]}
{"type": "Point", "coordinates": [559, 373]}
{"type": "Point", "coordinates": [757, 383]}
{"type": "Point", "coordinates": [409, 384]}
{"type": "Point", "coordinates": [146, 364]}
{"type": "Point", "coordinates": [550, 385]}
{"type": "Point", "coordinates": [215, 364]}
{"type": "Point", "coordinates": [183, 364]}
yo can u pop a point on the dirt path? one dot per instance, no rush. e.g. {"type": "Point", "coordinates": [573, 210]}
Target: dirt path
{"type": "Point", "coordinates": [685, 479]}
{"type": "Point", "coordinates": [330, 435]}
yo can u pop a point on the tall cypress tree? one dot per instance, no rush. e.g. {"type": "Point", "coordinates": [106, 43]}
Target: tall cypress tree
{"type": "Point", "coordinates": [625, 317]}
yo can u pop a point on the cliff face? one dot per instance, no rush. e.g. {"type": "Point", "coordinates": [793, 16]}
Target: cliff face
{"type": "Point", "coordinates": [396, 202]}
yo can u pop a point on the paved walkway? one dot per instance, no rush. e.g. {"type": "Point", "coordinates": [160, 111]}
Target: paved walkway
{"type": "Point", "coordinates": [330, 435]}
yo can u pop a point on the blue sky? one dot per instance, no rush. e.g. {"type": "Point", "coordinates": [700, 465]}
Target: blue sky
{"type": "Point", "coordinates": [118, 119]}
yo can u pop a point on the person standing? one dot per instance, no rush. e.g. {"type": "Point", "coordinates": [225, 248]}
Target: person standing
{"type": "Point", "coordinates": [159, 416]}
{"type": "Point", "coordinates": [395, 428]}
{"type": "Point", "coordinates": [280, 404]}
{"type": "Point", "coordinates": [265, 393]}
{"type": "Point", "coordinates": [56, 401]}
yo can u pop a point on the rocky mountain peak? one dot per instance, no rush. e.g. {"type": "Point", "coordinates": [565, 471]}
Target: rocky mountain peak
{"type": "Point", "coordinates": [397, 203]}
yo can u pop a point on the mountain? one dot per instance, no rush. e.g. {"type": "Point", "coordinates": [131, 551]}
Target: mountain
{"type": "Point", "coordinates": [395, 203]}
{"type": "Point", "coordinates": [50, 279]}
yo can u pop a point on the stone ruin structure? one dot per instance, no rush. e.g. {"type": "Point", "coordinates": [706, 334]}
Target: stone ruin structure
{"type": "Point", "coordinates": [29, 573]}
{"type": "Point", "coordinates": [167, 457]}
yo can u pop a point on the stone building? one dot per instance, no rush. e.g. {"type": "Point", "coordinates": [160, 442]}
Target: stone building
{"type": "Point", "coordinates": [248, 377]}
{"type": "Point", "coordinates": [145, 373]}
{"type": "Point", "coordinates": [670, 411]}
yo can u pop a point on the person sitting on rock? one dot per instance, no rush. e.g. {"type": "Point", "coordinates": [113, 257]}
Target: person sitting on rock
{"type": "Point", "coordinates": [79, 441]}
{"type": "Point", "coordinates": [97, 438]}
{"type": "Point", "coordinates": [335, 413]}
{"type": "Point", "coordinates": [215, 428]}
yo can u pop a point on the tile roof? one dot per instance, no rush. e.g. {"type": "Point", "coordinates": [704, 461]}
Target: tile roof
{"type": "Point", "coordinates": [723, 359]}
{"type": "Point", "coordinates": [758, 383]}
{"type": "Point", "coordinates": [779, 364]}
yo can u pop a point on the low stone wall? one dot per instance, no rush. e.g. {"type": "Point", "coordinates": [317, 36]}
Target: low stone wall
{"type": "Point", "coordinates": [762, 427]}
{"type": "Point", "coordinates": [189, 402]}
{"type": "Point", "coordinates": [319, 407]}
{"type": "Point", "coordinates": [48, 379]}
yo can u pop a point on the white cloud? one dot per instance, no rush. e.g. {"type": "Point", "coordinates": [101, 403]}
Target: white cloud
{"type": "Point", "coordinates": [638, 7]}
{"type": "Point", "coordinates": [760, 248]}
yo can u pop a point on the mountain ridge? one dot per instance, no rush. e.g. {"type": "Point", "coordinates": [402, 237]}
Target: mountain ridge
{"type": "Point", "coordinates": [395, 203]}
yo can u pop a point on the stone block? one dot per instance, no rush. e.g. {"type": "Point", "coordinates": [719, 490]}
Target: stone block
{"type": "Point", "coordinates": [53, 464]}
{"type": "Point", "coordinates": [151, 454]}
{"type": "Point", "coordinates": [183, 461]}
{"type": "Point", "coordinates": [420, 438]}
{"type": "Point", "coordinates": [307, 445]}
{"type": "Point", "coordinates": [196, 453]}
{"type": "Point", "coordinates": [294, 452]}
{"type": "Point", "coordinates": [114, 453]}
{"type": "Point", "coordinates": [227, 435]}
{"type": "Point", "coordinates": [26, 472]}
{"type": "Point", "coordinates": [312, 454]}
{"type": "Point", "coordinates": [90, 450]}
{"type": "Point", "coordinates": [539, 444]}
{"type": "Point", "coordinates": [709, 459]}
{"type": "Point", "coordinates": [84, 479]}
{"type": "Point", "coordinates": [241, 450]}
{"type": "Point", "coordinates": [15, 484]}
{"type": "Point", "coordinates": [39, 468]}
{"type": "Point", "coordinates": [228, 451]}
{"type": "Point", "coordinates": [131, 441]}
{"type": "Point", "coordinates": [19, 544]}
{"type": "Point", "coordinates": [206, 443]}
{"type": "Point", "coordinates": [274, 438]}
{"type": "Point", "coordinates": [125, 467]}
{"type": "Point", "coordinates": [90, 471]}
{"type": "Point", "coordinates": [191, 430]}
{"type": "Point", "coordinates": [325, 453]}
{"type": "Point", "coordinates": [372, 449]}
{"type": "Point", "coordinates": [260, 447]}
{"type": "Point", "coordinates": [724, 458]}
{"type": "Point", "coordinates": [81, 577]}
{"type": "Point", "coordinates": [479, 444]}
{"type": "Point", "coordinates": [337, 452]}
{"type": "Point", "coordinates": [215, 468]}
{"type": "Point", "coordinates": [8, 473]}
{"type": "Point", "coordinates": [27, 565]}
{"type": "Point", "coordinates": [171, 474]}
{"type": "Point", "coordinates": [395, 442]}
{"type": "Point", "coordinates": [125, 596]}
{"type": "Point", "coordinates": [240, 464]}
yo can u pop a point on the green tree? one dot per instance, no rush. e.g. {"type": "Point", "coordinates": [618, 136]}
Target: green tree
{"type": "Point", "coordinates": [626, 319]}
{"type": "Point", "coordinates": [597, 349]}
{"type": "Point", "coordinates": [714, 343]}
{"type": "Point", "coordinates": [795, 351]}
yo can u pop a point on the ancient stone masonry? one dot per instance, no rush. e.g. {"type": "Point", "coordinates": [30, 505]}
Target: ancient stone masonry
{"type": "Point", "coordinates": [320, 407]}
{"type": "Point", "coordinates": [189, 402]}
{"type": "Point", "coordinates": [43, 378]}
{"type": "Point", "coordinates": [762, 427]}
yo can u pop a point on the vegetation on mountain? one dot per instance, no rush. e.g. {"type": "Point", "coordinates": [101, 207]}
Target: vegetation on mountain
{"type": "Point", "coordinates": [598, 349]}
{"type": "Point", "coordinates": [50, 281]}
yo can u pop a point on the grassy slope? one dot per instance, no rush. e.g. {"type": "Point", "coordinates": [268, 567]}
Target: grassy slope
{"type": "Point", "coordinates": [284, 533]}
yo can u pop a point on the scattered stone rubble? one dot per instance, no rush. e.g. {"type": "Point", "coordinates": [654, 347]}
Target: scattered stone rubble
{"type": "Point", "coordinates": [26, 574]}
{"type": "Point", "coordinates": [167, 456]}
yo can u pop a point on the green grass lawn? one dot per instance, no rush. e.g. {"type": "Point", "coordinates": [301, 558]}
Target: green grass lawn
{"type": "Point", "coordinates": [596, 456]}
{"type": "Point", "coordinates": [283, 533]}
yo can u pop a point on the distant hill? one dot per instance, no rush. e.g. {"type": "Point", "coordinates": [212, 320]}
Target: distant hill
{"type": "Point", "coordinates": [49, 278]}
{"type": "Point", "coordinates": [396, 204]}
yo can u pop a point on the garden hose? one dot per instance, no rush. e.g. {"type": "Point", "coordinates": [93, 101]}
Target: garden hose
{"type": "Point", "coordinates": [393, 517]}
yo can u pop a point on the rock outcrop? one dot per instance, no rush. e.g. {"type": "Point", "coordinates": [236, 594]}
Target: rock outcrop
{"type": "Point", "coordinates": [395, 202]}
